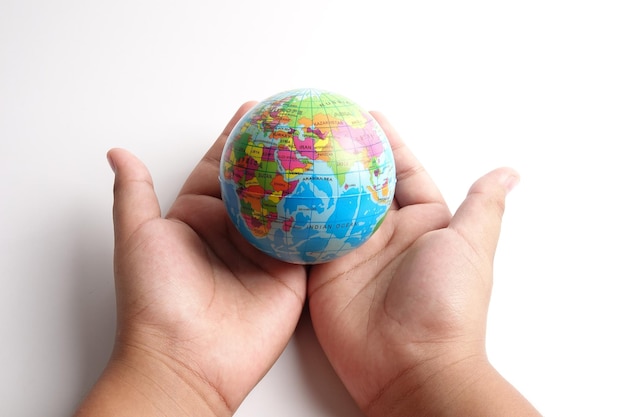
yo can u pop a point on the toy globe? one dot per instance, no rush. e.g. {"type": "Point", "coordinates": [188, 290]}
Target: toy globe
{"type": "Point", "coordinates": [307, 176]}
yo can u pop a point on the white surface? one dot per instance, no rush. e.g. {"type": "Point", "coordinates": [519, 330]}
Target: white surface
{"type": "Point", "coordinates": [538, 85]}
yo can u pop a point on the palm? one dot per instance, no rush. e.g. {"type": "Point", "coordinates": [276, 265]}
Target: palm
{"type": "Point", "coordinates": [367, 308]}
{"type": "Point", "coordinates": [198, 291]}
{"type": "Point", "coordinates": [380, 310]}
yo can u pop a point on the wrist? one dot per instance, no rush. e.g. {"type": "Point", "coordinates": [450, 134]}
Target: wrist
{"type": "Point", "coordinates": [138, 382]}
{"type": "Point", "coordinates": [419, 390]}
{"type": "Point", "coordinates": [468, 386]}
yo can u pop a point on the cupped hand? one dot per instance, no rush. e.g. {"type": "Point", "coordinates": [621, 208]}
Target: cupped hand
{"type": "Point", "coordinates": [412, 301]}
{"type": "Point", "coordinates": [202, 315]}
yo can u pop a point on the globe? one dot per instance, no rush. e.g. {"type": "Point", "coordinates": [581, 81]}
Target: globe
{"type": "Point", "coordinates": [307, 176]}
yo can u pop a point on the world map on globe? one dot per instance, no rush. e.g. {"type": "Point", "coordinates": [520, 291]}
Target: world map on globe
{"type": "Point", "coordinates": [307, 176]}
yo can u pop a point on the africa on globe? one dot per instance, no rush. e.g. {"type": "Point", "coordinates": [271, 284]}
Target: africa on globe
{"type": "Point", "coordinates": [307, 176]}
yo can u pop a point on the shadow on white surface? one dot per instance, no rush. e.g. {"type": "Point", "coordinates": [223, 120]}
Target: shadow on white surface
{"type": "Point", "coordinates": [301, 383]}
{"type": "Point", "coordinates": [92, 307]}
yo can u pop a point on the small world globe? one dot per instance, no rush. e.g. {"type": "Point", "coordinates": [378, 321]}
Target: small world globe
{"type": "Point", "coordinates": [307, 176]}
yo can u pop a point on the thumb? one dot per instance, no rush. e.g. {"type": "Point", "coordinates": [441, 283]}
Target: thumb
{"type": "Point", "coordinates": [479, 217]}
{"type": "Point", "coordinates": [134, 199]}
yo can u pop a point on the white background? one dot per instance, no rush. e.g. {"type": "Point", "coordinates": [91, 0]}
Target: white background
{"type": "Point", "coordinates": [471, 85]}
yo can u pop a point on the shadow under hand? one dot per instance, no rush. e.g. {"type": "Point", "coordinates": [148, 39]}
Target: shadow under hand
{"type": "Point", "coordinates": [322, 381]}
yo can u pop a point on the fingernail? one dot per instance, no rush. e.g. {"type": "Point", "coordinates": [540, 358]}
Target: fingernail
{"type": "Point", "coordinates": [511, 182]}
{"type": "Point", "coordinates": [111, 163]}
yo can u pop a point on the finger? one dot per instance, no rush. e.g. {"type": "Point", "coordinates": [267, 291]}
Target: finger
{"type": "Point", "coordinates": [134, 199]}
{"type": "Point", "coordinates": [479, 218]}
{"type": "Point", "coordinates": [204, 178]}
{"type": "Point", "coordinates": [414, 185]}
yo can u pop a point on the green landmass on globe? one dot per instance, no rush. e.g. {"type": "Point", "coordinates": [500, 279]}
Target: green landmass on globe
{"type": "Point", "coordinates": [307, 176]}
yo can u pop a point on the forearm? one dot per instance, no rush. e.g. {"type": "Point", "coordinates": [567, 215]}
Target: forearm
{"type": "Point", "coordinates": [152, 389]}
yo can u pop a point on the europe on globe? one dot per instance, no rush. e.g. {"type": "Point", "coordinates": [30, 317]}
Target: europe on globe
{"type": "Point", "coordinates": [307, 176]}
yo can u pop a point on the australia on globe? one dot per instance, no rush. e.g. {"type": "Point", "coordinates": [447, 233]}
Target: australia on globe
{"type": "Point", "coordinates": [307, 176]}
